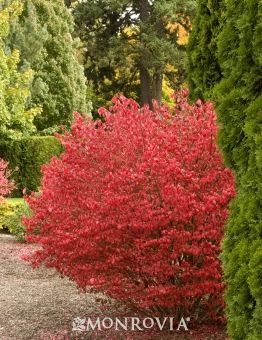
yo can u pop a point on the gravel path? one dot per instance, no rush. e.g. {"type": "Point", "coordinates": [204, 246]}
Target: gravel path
{"type": "Point", "coordinates": [37, 304]}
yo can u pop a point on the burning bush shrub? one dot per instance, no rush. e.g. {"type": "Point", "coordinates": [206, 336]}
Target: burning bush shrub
{"type": "Point", "coordinates": [135, 207]}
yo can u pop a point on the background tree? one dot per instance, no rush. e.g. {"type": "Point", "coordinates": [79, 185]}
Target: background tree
{"type": "Point", "coordinates": [202, 65]}
{"type": "Point", "coordinates": [129, 44]}
{"type": "Point", "coordinates": [43, 35]}
{"type": "Point", "coordinates": [16, 119]}
{"type": "Point", "coordinates": [238, 97]}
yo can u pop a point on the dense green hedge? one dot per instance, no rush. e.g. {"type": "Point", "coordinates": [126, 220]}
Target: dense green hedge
{"type": "Point", "coordinates": [239, 106]}
{"type": "Point", "coordinates": [203, 69]}
{"type": "Point", "coordinates": [25, 157]}
{"type": "Point", "coordinates": [238, 99]}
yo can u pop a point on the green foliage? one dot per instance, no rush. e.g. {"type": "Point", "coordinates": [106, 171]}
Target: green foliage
{"type": "Point", "coordinates": [238, 97]}
{"type": "Point", "coordinates": [242, 260]}
{"type": "Point", "coordinates": [16, 119]}
{"type": "Point", "coordinates": [11, 212]}
{"type": "Point", "coordinates": [7, 208]}
{"type": "Point", "coordinates": [239, 46]}
{"type": "Point", "coordinates": [129, 45]}
{"type": "Point", "coordinates": [202, 65]}
{"type": "Point", "coordinates": [5, 211]}
{"type": "Point", "coordinates": [26, 156]}
{"type": "Point", "coordinates": [43, 35]}
{"type": "Point", "coordinates": [239, 106]}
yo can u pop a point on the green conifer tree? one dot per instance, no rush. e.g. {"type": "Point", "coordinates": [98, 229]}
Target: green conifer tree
{"type": "Point", "coordinates": [129, 44]}
{"type": "Point", "coordinates": [237, 92]}
{"type": "Point", "coordinates": [16, 119]}
{"type": "Point", "coordinates": [43, 35]}
{"type": "Point", "coordinates": [202, 65]}
{"type": "Point", "coordinates": [239, 106]}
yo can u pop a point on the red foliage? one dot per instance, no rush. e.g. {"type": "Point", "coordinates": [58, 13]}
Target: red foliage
{"type": "Point", "coordinates": [135, 207]}
{"type": "Point", "coordinates": [6, 186]}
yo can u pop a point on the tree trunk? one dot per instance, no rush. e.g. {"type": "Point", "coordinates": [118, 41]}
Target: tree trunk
{"type": "Point", "coordinates": [157, 86]}
{"type": "Point", "coordinates": [145, 81]}
{"type": "Point", "coordinates": [150, 86]}
{"type": "Point", "coordinates": [158, 72]}
{"type": "Point", "coordinates": [145, 87]}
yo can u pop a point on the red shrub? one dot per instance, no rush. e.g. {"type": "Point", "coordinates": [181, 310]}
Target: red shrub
{"type": "Point", "coordinates": [6, 186]}
{"type": "Point", "coordinates": [135, 206]}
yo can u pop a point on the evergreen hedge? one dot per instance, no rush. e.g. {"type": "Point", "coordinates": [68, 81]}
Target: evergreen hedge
{"type": "Point", "coordinates": [25, 157]}
{"type": "Point", "coordinates": [202, 64]}
{"type": "Point", "coordinates": [238, 98]}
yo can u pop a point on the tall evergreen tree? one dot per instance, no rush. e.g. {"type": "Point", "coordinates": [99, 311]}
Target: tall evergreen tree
{"type": "Point", "coordinates": [16, 119]}
{"type": "Point", "coordinates": [129, 44]}
{"type": "Point", "coordinates": [43, 35]}
{"type": "Point", "coordinates": [202, 64]}
{"type": "Point", "coordinates": [238, 98]}
{"type": "Point", "coordinates": [239, 105]}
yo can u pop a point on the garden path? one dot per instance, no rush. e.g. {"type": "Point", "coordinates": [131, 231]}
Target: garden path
{"type": "Point", "coordinates": [38, 304]}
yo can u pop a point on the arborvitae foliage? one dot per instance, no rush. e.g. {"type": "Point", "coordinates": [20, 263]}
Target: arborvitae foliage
{"type": "Point", "coordinates": [43, 35]}
{"type": "Point", "coordinates": [239, 55]}
{"type": "Point", "coordinates": [16, 119]}
{"type": "Point", "coordinates": [202, 66]}
{"type": "Point", "coordinates": [239, 106]}
{"type": "Point", "coordinates": [139, 216]}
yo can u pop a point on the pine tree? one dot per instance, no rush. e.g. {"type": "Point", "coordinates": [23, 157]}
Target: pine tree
{"type": "Point", "coordinates": [16, 119]}
{"type": "Point", "coordinates": [43, 35]}
{"type": "Point", "coordinates": [202, 65]}
{"type": "Point", "coordinates": [129, 44]}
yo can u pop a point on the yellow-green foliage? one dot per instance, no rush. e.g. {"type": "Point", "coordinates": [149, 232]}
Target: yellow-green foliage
{"type": "Point", "coordinates": [11, 212]}
{"type": "Point", "coordinates": [5, 211]}
{"type": "Point", "coordinates": [15, 119]}
{"type": "Point", "coordinates": [43, 35]}
{"type": "Point", "coordinates": [7, 208]}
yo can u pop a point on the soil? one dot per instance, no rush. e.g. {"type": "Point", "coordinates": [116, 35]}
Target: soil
{"type": "Point", "coordinates": [38, 304]}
